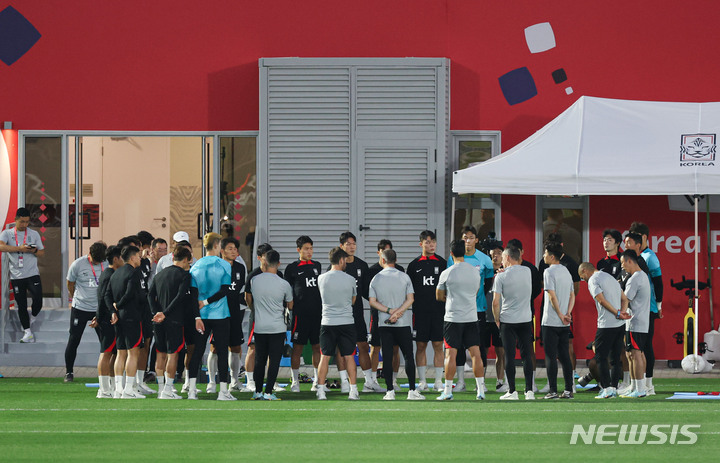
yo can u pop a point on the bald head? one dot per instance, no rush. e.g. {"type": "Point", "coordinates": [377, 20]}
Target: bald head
{"type": "Point", "coordinates": [586, 270]}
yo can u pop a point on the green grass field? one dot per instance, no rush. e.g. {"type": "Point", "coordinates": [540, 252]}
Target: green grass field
{"type": "Point", "coordinates": [47, 420]}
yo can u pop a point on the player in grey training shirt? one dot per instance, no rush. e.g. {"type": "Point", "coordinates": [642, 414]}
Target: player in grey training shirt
{"type": "Point", "coordinates": [391, 294]}
{"type": "Point", "coordinates": [338, 291]}
{"type": "Point", "coordinates": [23, 246]}
{"type": "Point", "coordinates": [559, 303]}
{"type": "Point", "coordinates": [611, 304]}
{"type": "Point", "coordinates": [638, 292]}
{"type": "Point", "coordinates": [270, 295]}
{"type": "Point", "coordinates": [514, 288]}
{"type": "Point", "coordinates": [82, 281]}
{"type": "Point", "coordinates": [458, 286]}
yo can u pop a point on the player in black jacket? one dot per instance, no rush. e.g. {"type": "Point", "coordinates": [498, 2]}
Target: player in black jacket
{"type": "Point", "coordinates": [126, 296]}
{"type": "Point", "coordinates": [236, 300]}
{"type": "Point", "coordinates": [307, 308]}
{"type": "Point", "coordinates": [428, 312]}
{"type": "Point", "coordinates": [169, 299]}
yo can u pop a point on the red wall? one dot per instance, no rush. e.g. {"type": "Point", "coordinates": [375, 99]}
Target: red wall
{"type": "Point", "coordinates": [187, 65]}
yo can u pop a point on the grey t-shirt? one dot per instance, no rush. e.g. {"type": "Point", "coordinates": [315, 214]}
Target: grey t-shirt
{"type": "Point", "coordinates": [390, 287]}
{"type": "Point", "coordinates": [22, 264]}
{"type": "Point", "coordinates": [86, 283]}
{"type": "Point", "coordinates": [556, 278]}
{"type": "Point", "coordinates": [605, 284]}
{"type": "Point", "coordinates": [637, 290]}
{"type": "Point", "coordinates": [269, 293]}
{"type": "Point", "coordinates": [337, 289]}
{"type": "Point", "coordinates": [461, 283]}
{"type": "Point", "coordinates": [514, 285]}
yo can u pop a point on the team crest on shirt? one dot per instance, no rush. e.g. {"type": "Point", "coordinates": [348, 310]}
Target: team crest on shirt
{"type": "Point", "coordinates": [697, 149]}
{"type": "Point", "coordinates": [359, 273]}
{"type": "Point", "coordinates": [437, 270]}
{"type": "Point", "coordinates": [315, 270]}
{"type": "Point", "coordinates": [237, 275]}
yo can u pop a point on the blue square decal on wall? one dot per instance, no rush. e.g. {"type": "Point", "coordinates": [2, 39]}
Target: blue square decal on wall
{"type": "Point", "coordinates": [518, 85]}
{"type": "Point", "coordinates": [17, 35]}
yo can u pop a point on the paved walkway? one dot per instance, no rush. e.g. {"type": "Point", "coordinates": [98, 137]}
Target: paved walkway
{"type": "Point", "coordinates": [86, 372]}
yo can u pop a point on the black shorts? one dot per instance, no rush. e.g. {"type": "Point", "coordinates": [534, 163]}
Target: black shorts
{"type": "Point", "coordinates": [189, 330]}
{"type": "Point", "coordinates": [428, 326]}
{"type": "Point", "coordinates": [129, 334]}
{"type": "Point", "coordinates": [169, 337]}
{"type": "Point", "coordinates": [237, 338]}
{"type": "Point", "coordinates": [361, 332]}
{"type": "Point", "coordinates": [374, 338]}
{"type": "Point", "coordinates": [147, 325]}
{"type": "Point", "coordinates": [492, 335]}
{"type": "Point", "coordinates": [571, 331]}
{"type": "Point", "coordinates": [306, 327]}
{"type": "Point", "coordinates": [106, 335]}
{"type": "Point", "coordinates": [457, 335]}
{"type": "Point", "coordinates": [337, 337]}
{"type": "Point", "coordinates": [251, 336]}
{"type": "Point", "coordinates": [636, 341]}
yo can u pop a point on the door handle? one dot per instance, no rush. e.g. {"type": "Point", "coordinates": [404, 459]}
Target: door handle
{"type": "Point", "coordinates": [364, 228]}
{"type": "Point", "coordinates": [161, 219]}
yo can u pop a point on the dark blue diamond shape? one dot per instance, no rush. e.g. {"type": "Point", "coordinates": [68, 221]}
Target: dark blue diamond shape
{"type": "Point", "coordinates": [17, 35]}
{"type": "Point", "coordinates": [559, 75]}
{"type": "Point", "coordinates": [518, 85]}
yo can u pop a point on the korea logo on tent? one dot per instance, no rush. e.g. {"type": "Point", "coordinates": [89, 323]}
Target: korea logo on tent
{"type": "Point", "coordinates": [697, 148]}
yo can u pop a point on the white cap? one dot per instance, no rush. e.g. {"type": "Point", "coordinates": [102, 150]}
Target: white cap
{"type": "Point", "coordinates": [181, 236]}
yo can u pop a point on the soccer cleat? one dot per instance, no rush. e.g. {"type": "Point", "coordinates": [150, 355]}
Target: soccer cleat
{"type": "Point", "coordinates": [211, 388]}
{"type": "Point", "coordinates": [28, 337]}
{"type": "Point", "coordinates": [169, 395]}
{"type": "Point", "coordinates": [423, 386]}
{"type": "Point", "coordinates": [321, 394]}
{"type": "Point", "coordinates": [545, 389]}
{"type": "Point", "coordinates": [270, 397]}
{"type": "Point", "coordinates": [485, 389]}
{"type": "Point", "coordinates": [294, 387]}
{"type": "Point", "coordinates": [551, 395]}
{"type": "Point", "coordinates": [104, 395]}
{"type": "Point", "coordinates": [131, 395]}
{"type": "Point", "coordinates": [185, 388]}
{"type": "Point", "coordinates": [69, 378]}
{"type": "Point", "coordinates": [624, 390]}
{"type": "Point", "coordinates": [605, 394]}
{"type": "Point", "coordinates": [633, 395]}
{"type": "Point", "coordinates": [315, 388]}
{"type": "Point", "coordinates": [444, 396]}
{"type": "Point", "coordinates": [372, 386]}
{"type": "Point", "coordinates": [510, 396]}
{"type": "Point", "coordinates": [567, 395]}
{"type": "Point", "coordinates": [503, 388]}
{"type": "Point", "coordinates": [459, 387]}
{"type": "Point", "coordinates": [257, 396]}
{"type": "Point", "coordinates": [242, 388]}
{"type": "Point", "coordinates": [354, 395]}
{"type": "Point", "coordinates": [529, 395]}
{"type": "Point", "coordinates": [144, 389]}
{"type": "Point", "coordinates": [192, 394]}
{"type": "Point", "coordinates": [250, 385]}
{"type": "Point", "coordinates": [396, 386]}
{"type": "Point", "coordinates": [480, 394]}
{"type": "Point", "coordinates": [389, 395]}
{"type": "Point", "coordinates": [650, 390]}
{"type": "Point", "coordinates": [117, 394]}
{"type": "Point", "coordinates": [583, 381]}
{"type": "Point", "coordinates": [225, 395]}
{"type": "Point", "coordinates": [438, 386]}
{"type": "Point", "coordinates": [415, 395]}
{"type": "Point", "coordinates": [277, 388]}
{"type": "Point", "coordinates": [345, 386]}
{"type": "Point", "coordinates": [573, 389]}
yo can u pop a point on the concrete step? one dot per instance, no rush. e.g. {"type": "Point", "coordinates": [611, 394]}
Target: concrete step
{"type": "Point", "coordinates": [51, 359]}
{"type": "Point", "coordinates": [42, 348]}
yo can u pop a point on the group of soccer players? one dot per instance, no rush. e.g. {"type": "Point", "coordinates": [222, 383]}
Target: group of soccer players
{"type": "Point", "coordinates": [468, 303]}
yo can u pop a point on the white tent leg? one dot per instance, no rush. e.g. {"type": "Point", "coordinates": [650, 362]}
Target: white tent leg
{"type": "Point", "coordinates": [697, 254]}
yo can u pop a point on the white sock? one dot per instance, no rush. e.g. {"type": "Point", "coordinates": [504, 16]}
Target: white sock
{"type": "Point", "coordinates": [104, 384]}
{"type": "Point", "coordinates": [343, 375]}
{"type": "Point", "coordinates": [648, 382]}
{"type": "Point", "coordinates": [223, 387]}
{"type": "Point", "coordinates": [353, 388]}
{"type": "Point", "coordinates": [500, 381]}
{"type": "Point", "coordinates": [212, 364]}
{"type": "Point", "coordinates": [373, 375]}
{"type": "Point", "coordinates": [448, 386]}
{"type": "Point", "coordinates": [250, 375]}
{"type": "Point", "coordinates": [315, 375]}
{"type": "Point", "coordinates": [574, 374]}
{"type": "Point", "coordinates": [461, 375]}
{"type": "Point", "coordinates": [129, 384]}
{"type": "Point", "coordinates": [295, 376]}
{"type": "Point", "coordinates": [192, 384]}
{"type": "Point", "coordinates": [368, 375]}
{"type": "Point", "coordinates": [234, 367]}
{"type": "Point", "coordinates": [439, 374]}
{"type": "Point", "coordinates": [169, 384]}
{"type": "Point", "coordinates": [422, 372]}
{"type": "Point", "coordinates": [640, 385]}
{"type": "Point", "coordinates": [119, 383]}
{"type": "Point", "coordinates": [626, 377]}
{"type": "Point", "coordinates": [633, 385]}
{"type": "Point", "coordinates": [111, 382]}
{"type": "Point", "coordinates": [140, 377]}
{"type": "Point", "coordinates": [161, 381]}
{"type": "Point", "coordinates": [533, 382]}
{"type": "Point", "coordinates": [480, 383]}
{"type": "Point", "coordinates": [395, 375]}
{"type": "Point", "coordinates": [187, 378]}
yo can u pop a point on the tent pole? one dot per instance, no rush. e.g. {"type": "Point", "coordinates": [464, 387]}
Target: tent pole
{"type": "Point", "coordinates": [697, 254]}
{"type": "Point", "coordinates": [709, 265]}
{"type": "Point", "coordinates": [452, 220]}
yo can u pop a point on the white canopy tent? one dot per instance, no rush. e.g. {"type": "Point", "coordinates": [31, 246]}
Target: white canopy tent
{"type": "Point", "coordinates": [602, 146]}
